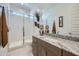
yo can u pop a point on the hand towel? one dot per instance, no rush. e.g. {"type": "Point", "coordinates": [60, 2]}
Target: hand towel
{"type": "Point", "coordinates": [54, 28]}
{"type": "Point", "coordinates": [4, 29]}
{"type": "Point", "coordinates": [0, 25]}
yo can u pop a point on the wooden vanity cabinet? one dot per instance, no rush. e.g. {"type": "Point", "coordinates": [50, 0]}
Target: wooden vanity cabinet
{"type": "Point", "coordinates": [42, 51]}
{"type": "Point", "coordinates": [48, 49]}
{"type": "Point", "coordinates": [53, 51]}
{"type": "Point", "coordinates": [67, 53]}
{"type": "Point", "coordinates": [42, 48]}
{"type": "Point", "coordinates": [35, 46]}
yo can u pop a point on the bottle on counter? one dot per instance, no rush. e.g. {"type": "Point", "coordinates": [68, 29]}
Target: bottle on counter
{"type": "Point", "coordinates": [41, 31]}
{"type": "Point", "coordinates": [46, 29]}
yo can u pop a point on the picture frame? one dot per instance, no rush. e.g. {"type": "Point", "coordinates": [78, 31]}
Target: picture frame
{"type": "Point", "coordinates": [60, 21]}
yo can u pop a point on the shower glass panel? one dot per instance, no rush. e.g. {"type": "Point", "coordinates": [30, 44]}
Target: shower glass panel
{"type": "Point", "coordinates": [28, 29]}
{"type": "Point", "coordinates": [20, 29]}
{"type": "Point", "coordinates": [15, 29]}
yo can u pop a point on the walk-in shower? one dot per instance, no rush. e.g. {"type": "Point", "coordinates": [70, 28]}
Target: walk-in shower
{"type": "Point", "coordinates": [20, 26]}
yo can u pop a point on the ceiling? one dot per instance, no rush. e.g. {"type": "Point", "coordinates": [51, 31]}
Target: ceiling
{"type": "Point", "coordinates": [34, 7]}
{"type": "Point", "coordinates": [39, 5]}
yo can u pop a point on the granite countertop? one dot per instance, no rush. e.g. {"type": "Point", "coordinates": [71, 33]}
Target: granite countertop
{"type": "Point", "coordinates": [68, 45]}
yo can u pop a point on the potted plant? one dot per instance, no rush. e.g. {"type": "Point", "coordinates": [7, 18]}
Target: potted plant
{"type": "Point", "coordinates": [37, 17]}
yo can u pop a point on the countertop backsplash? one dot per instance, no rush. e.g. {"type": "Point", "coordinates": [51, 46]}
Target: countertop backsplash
{"type": "Point", "coordinates": [64, 37]}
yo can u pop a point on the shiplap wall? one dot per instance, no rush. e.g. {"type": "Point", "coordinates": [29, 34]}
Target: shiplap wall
{"type": "Point", "coordinates": [75, 20]}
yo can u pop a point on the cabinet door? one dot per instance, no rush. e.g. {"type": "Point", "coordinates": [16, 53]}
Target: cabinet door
{"type": "Point", "coordinates": [42, 51]}
{"type": "Point", "coordinates": [53, 51]}
{"type": "Point", "coordinates": [34, 50]}
{"type": "Point", "coordinates": [50, 53]}
{"type": "Point", "coordinates": [66, 53]}
{"type": "Point", "coordinates": [34, 46]}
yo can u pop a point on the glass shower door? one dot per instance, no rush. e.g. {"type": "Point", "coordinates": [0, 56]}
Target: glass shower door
{"type": "Point", "coordinates": [15, 30]}
{"type": "Point", "coordinates": [28, 30]}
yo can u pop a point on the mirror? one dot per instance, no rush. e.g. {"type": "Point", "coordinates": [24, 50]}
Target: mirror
{"type": "Point", "coordinates": [66, 18]}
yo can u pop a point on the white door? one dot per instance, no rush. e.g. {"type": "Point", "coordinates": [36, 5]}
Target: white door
{"type": "Point", "coordinates": [15, 30]}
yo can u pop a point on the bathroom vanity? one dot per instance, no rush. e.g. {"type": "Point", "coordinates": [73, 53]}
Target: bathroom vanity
{"type": "Point", "coordinates": [52, 46]}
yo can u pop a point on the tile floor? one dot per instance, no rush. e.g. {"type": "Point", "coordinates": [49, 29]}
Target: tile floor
{"type": "Point", "coordinates": [25, 50]}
